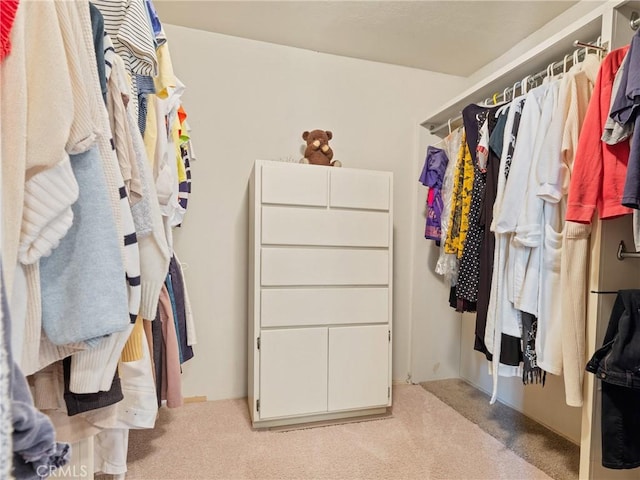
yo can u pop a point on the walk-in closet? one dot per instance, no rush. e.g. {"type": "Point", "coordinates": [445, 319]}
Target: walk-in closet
{"type": "Point", "coordinates": [251, 240]}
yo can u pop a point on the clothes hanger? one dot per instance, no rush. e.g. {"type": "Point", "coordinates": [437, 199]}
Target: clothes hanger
{"type": "Point", "coordinates": [564, 63]}
{"type": "Point", "coordinates": [524, 87]}
{"type": "Point", "coordinates": [507, 102]}
{"type": "Point", "coordinates": [449, 125]}
{"type": "Point", "coordinates": [514, 88]}
{"type": "Point", "coordinates": [495, 98]}
{"type": "Point", "coordinates": [601, 51]}
{"type": "Point", "coordinates": [549, 73]}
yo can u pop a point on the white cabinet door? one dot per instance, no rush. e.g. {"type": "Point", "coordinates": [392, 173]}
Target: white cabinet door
{"type": "Point", "coordinates": [358, 367]}
{"type": "Point", "coordinates": [293, 372]}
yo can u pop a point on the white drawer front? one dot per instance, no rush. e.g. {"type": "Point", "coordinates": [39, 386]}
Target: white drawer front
{"type": "Point", "coordinates": [324, 306]}
{"type": "Point", "coordinates": [309, 226]}
{"type": "Point", "coordinates": [360, 189]}
{"type": "Point", "coordinates": [295, 185]}
{"type": "Point", "coordinates": [318, 266]}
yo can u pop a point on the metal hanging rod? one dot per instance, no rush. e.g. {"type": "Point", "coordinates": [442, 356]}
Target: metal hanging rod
{"type": "Point", "coordinates": [635, 21]}
{"type": "Point", "coordinates": [624, 253]}
{"type": "Point", "coordinates": [578, 44]}
{"type": "Point", "coordinates": [532, 79]}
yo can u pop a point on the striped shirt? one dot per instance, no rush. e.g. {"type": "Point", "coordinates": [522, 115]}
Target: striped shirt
{"type": "Point", "coordinates": [127, 23]}
{"type": "Point", "coordinates": [132, 265]}
{"type": "Point", "coordinates": [184, 187]}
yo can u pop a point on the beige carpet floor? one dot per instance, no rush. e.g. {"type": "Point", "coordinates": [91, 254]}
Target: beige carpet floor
{"type": "Point", "coordinates": [423, 439]}
{"type": "Point", "coordinates": [552, 453]}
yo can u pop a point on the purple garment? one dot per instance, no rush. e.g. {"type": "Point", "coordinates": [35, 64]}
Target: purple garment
{"type": "Point", "coordinates": [153, 18]}
{"type": "Point", "coordinates": [624, 110]}
{"type": "Point", "coordinates": [36, 454]}
{"type": "Point", "coordinates": [631, 192]}
{"type": "Point", "coordinates": [625, 105]}
{"type": "Point", "coordinates": [432, 176]}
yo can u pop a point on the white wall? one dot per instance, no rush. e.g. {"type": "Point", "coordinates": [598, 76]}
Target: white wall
{"type": "Point", "coordinates": [567, 17]}
{"type": "Point", "coordinates": [250, 100]}
{"type": "Point", "coordinates": [435, 337]}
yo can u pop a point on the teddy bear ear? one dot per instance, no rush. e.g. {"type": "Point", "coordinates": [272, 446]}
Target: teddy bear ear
{"type": "Point", "coordinates": [305, 135]}
{"type": "Point", "coordinates": [329, 134]}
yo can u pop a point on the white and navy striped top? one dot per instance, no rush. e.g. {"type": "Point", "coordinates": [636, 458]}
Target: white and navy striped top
{"type": "Point", "coordinates": [127, 24]}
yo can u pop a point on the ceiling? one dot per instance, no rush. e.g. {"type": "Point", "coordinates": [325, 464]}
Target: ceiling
{"type": "Point", "coordinates": [454, 37]}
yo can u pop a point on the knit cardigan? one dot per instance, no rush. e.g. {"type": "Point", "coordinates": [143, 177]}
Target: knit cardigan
{"type": "Point", "coordinates": [93, 370]}
{"type": "Point", "coordinates": [599, 170]}
{"type": "Point", "coordinates": [44, 190]}
{"type": "Point", "coordinates": [50, 186]}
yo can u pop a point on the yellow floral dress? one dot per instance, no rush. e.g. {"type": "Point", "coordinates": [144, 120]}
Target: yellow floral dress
{"type": "Point", "coordinates": [461, 203]}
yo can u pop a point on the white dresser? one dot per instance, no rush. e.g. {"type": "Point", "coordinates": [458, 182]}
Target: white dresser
{"type": "Point", "coordinates": [320, 275]}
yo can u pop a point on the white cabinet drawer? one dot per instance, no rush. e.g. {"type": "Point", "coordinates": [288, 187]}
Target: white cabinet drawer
{"type": "Point", "coordinates": [360, 189]}
{"type": "Point", "coordinates": [294, 184]}
{"type": "Point", "coordinates": [323, 266]}
{"type": "Point", "coordinates": [358, 367]}
{"type": "Point", "coordinates": [322, 306]}
{"type": "Point", "coordinates": [310, 226]}
{"type": "Point", "coordinates": [293, 372]}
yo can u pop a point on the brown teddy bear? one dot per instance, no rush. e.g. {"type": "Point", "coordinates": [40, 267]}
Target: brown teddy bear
{"type": "Point", "coordinates": [318, 151]}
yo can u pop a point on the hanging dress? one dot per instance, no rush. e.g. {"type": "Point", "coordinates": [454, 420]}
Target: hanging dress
{"type": "Point", "coordinates": [432, 176]}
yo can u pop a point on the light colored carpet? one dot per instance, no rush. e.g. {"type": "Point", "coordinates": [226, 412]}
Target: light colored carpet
{"type": "Point", "coordinates": [424, 439]}
{"type": "Point", "coordinates": [550, 452]}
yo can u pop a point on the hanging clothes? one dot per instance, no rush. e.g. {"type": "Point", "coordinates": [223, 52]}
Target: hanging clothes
{"type": "Point", "coordinates": [495, 144]}
{"type": "Point", "coordinates": [615, 365]}
{"type": "Point", "coordinates": [498, 296]}
{"type": "Point", "coordinates": [462, 189]}
{"type": "Point", "coordinates": [596, 165]}
{"type": "Point", "coordinates": [499, 305]}
{"type": "Point", "coordinates": [599, 170]}
{"type": "Point", "coordinates": [432, 176]}
{"type": "Point", "coordinates": [447, 262]}
{"type": "Point", "coordinates": [624, 110]}
{"type": "Point", "coordinates": [32, 442]}
{"type": "Point", "coordinates": [468, 278]}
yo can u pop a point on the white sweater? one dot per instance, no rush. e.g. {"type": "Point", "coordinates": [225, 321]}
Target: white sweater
{"type": "Point", "coordinates": [93, 370]}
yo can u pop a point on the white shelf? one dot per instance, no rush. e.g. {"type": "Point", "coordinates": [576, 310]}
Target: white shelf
{"type": "Point", "coordinates": [537, 59]}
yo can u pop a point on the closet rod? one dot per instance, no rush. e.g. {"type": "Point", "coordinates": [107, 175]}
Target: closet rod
{"type": "Point", "coordinates": [578, 43]}
{"type": "Point", "coordinates": [531, 79]}
{"type": "Point", "coordinates": [623, 253]}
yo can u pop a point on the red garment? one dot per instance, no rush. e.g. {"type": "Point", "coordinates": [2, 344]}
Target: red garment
{"type": "Point", "coordinates": [182, 116]}
{"type": "Point", "coordinates": [8, 9]}
{"type": "Point", "coordinates": [599, 169]}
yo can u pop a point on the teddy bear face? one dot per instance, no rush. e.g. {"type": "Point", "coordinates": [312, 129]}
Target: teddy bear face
{"type": "Point", "coordinates": [317, 138]}
{"type": "Point", "coordinates": [318, 151]}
